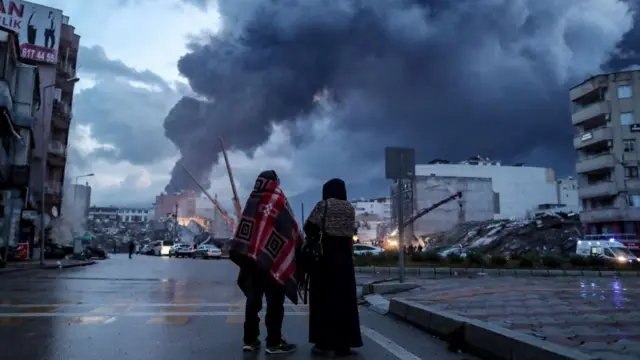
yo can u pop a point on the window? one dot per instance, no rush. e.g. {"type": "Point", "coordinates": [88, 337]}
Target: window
{"type": "Point", "coordinates": [631, 172]}
{"type": "Point", "coordinates": [626, 118]}
{"type": "Point", "coordinates": [624, 92]}
{"type": "Point", "coordinates": [608, 253]}
{"type": "Point", "coordinates": [629, 145]}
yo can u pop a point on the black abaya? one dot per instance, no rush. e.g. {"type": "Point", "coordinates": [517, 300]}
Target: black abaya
{"type": "Point", "coordinates": [334, 321]}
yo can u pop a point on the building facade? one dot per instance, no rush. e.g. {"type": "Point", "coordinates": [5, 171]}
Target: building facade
{"type": "Point", "coordinates": [606, 117]}
{"type": "Point", "coordinates": [135, 215]}
{"type": "Point", "coordinates": [57, 81]}
{"type": "Point", "coordinates": [518, 190]}
{"type": "Point", "coordinates": [478, 202]}
{"type": "Point", "coordinates": [77, 201]}
{"type": "Point", "coordinates": [103, 214]}
{"type": "Point", "coordinates": [19, 99]}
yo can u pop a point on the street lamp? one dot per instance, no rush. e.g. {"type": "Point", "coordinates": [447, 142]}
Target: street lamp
{"type": "Point", "coordinates": [44, 150]}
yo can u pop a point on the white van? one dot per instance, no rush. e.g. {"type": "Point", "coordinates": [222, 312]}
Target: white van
{"type": "Point", "coordinates": [161, 248]}
{"type": "Point", "coordinates": [610, 249]}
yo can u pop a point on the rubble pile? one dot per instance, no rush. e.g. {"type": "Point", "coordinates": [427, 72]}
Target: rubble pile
{"type": "Point", "coordinates": [548, 234]}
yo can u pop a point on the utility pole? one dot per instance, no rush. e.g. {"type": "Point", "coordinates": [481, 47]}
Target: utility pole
{"type": "Point", "coordinates": [400, 196]}
{"type": "Point", "coordinates": [175, 225]}
{"type": "Point", "coordinates": [302, 212]}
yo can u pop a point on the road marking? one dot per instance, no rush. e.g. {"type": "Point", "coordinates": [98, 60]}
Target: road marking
{"type": "Point", "coordinates": [9, 321]}
{"type": "Point", "coordinates": [170, 318]}
{"type": "Point", "coordinates": [237, 306]}
{"type": "Point", "coordinates": [92, 320]}
{"type": "Point", "coordinates": [141, 314]}
{"type": "Point", "coordinates": [133, 304]}
{"type": "Point", "coordinates": [395, 349]}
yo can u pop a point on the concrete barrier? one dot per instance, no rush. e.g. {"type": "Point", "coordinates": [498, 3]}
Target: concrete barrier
{"type": "Point", "coordinates": [387, 287]}
{"type": "Point", "coordinates": [480, 338]}
{"type": "Point", "coordinates": [454, 271]}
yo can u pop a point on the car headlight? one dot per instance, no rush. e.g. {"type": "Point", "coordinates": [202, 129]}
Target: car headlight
{"type": "Point", "coordinates": [622, 258]}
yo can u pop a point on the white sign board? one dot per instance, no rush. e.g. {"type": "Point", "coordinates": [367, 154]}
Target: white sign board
{"type": "Point", "coordinates": [37, 26]}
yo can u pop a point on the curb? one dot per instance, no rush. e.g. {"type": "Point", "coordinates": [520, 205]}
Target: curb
{"type": "Point", "coordinates": [67, 266]}
{"type": "Point", "coordinates": [481, 338]}
{"type": "Point", "coordinates": [450, 271]}
{"type": "Point", "coordinates": [387, 288]}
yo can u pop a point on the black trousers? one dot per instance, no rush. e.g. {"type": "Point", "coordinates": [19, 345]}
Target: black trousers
{"type": "Point", "coordinates": [261, 284]}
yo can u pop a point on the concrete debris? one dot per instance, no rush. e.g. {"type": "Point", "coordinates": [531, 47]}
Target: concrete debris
{"type": "Point", "coordinates": [547, 234]}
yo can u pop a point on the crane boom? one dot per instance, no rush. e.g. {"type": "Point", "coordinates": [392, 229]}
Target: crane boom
{"type": "Point", "coordinates": [221, 210]}
{"type": "Point", "coordinates": [236, 200]}
{"type": "Point", "coordinates": [427, 210]}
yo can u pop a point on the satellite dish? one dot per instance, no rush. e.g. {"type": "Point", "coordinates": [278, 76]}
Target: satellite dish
{"type": "Point", "coordinates": [54, 211]}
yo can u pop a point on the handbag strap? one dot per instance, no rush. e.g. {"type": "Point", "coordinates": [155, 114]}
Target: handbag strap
{"type": "Point", "coordinates": [324, 217]}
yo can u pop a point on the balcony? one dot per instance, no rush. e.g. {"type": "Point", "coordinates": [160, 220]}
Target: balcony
{"type": "Point", "coordinates": [600, 108]}
{"type": "Point", "coordinates": [61, 116]}
{"type": "Point", "coordinates": [600, 189]}
{"type": "Point", "coordinates": [4, 166]}
{"type": "Point", "coordinates": [53, 187]}
{"type": "Point", "coordinates": [53, 192]}
{"type": "Point", "coordinates": [595, 163]}
{"type": "Point", "coordinates": [19, 175]}
{"type": "Point", "coordinates": [593, 136]}
{"type": "Point", "coordinates": [57, 154]}
{"type": "Point", "coordinates": [610, 215]}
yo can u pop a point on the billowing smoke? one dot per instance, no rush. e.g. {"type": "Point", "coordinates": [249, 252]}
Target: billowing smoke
{"type": "Point", "coordinates": [451, 78]}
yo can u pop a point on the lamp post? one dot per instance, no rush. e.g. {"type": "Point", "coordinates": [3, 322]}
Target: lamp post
{"type": "Point", "coordinates": [44, 153]}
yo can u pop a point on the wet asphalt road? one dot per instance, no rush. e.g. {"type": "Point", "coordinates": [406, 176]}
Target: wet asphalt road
{"type": "Point", "coordinates": [160, 308]}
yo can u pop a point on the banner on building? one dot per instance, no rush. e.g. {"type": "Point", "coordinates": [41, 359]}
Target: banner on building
{"type": "Point", "coordinates": [37, 26]}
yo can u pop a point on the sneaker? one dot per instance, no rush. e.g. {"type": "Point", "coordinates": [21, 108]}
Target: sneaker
{"type": "Point", "coordinates": [252, 346]}
{"type": "Point", "coordinates": [282, 348]}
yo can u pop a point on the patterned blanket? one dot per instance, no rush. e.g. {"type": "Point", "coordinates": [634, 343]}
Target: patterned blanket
{"type": "Point", "coordinates": [268, 234]}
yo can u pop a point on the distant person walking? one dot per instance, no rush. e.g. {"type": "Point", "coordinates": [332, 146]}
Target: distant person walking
{"type": "Point", "coordinates": [132, 248]}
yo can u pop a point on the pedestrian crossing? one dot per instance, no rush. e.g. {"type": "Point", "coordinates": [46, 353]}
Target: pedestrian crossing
{"type": "Point", "coordinates": [174, 313]}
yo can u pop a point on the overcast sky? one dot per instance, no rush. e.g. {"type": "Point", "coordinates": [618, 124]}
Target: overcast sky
{"type": "Point", "coordinates": [130, 82]}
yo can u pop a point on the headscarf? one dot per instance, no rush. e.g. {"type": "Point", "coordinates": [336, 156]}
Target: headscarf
{"type": "Point", "coordinates": [334, 189]}
{"type": "Point", "coordinates": [341, 216]}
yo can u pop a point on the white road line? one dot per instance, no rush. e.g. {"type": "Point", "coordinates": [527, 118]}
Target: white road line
{"type": "Point", "coordinates": [395, 349]}
{"type": "Point", "coordinates": [152, 314]}
{"type": "Point", "coordinates": [226, 305]}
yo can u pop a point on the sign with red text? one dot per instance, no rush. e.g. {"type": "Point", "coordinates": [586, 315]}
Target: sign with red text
{"type": "Point", "coordinates": [37, 26]}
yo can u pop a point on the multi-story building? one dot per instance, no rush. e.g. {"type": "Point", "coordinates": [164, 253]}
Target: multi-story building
{"type": "Point", "coordinates": [166, 204]}
{"type": "Point", "coordinates": [605, 114]}
{"type": "Point", "coordinates": [370, 214]}
{"type": "Point", "coordinates": [77, 201]}
{"type": "Point", "coordinates": [135, 215]}
{"type": "Point", "coordinates": [103, 214]}
{"type": "Point", "coordinates": [55, 57]}
{"type": "Point", "coordinates": [518, 189]}
{"type": "Point", "coordinates": [19, 98]}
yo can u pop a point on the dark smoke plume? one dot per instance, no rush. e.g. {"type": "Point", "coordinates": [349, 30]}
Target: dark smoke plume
{"type": "Point", "coordinates": [451, 78]}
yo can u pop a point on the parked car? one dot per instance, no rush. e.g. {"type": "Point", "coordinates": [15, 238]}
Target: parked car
{"type": "Point", "coordinates": [208, 251]}
{"type": "Point", "coordinates": [181, 250]}
{"type": "Point", "coordinates": [363, 249]}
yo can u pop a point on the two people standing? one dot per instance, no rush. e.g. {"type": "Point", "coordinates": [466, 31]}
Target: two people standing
{"type": "Point", "coordinates": [268, 248]}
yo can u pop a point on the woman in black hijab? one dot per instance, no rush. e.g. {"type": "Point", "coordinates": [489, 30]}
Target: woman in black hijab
{"type": "Point", "coordinates": [334, 323]}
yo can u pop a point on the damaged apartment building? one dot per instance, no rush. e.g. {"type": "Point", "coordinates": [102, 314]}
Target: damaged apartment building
{"type": "Point", "coordinates": [20, 98]}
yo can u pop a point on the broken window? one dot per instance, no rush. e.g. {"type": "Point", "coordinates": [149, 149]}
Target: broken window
{"type": "Point", "coordinates": [629, 145]}
{"type": "Point", "coordinates": [631, 172]}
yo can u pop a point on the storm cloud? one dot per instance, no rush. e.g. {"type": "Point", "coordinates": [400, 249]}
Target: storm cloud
{"type": "Point", "coordinates": [450, 78]}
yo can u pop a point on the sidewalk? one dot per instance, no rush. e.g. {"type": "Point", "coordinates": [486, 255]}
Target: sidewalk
{"type": "Point", "coordinates": [17, 266]}
{"type": "Point", "coordinates": [599, 317]}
